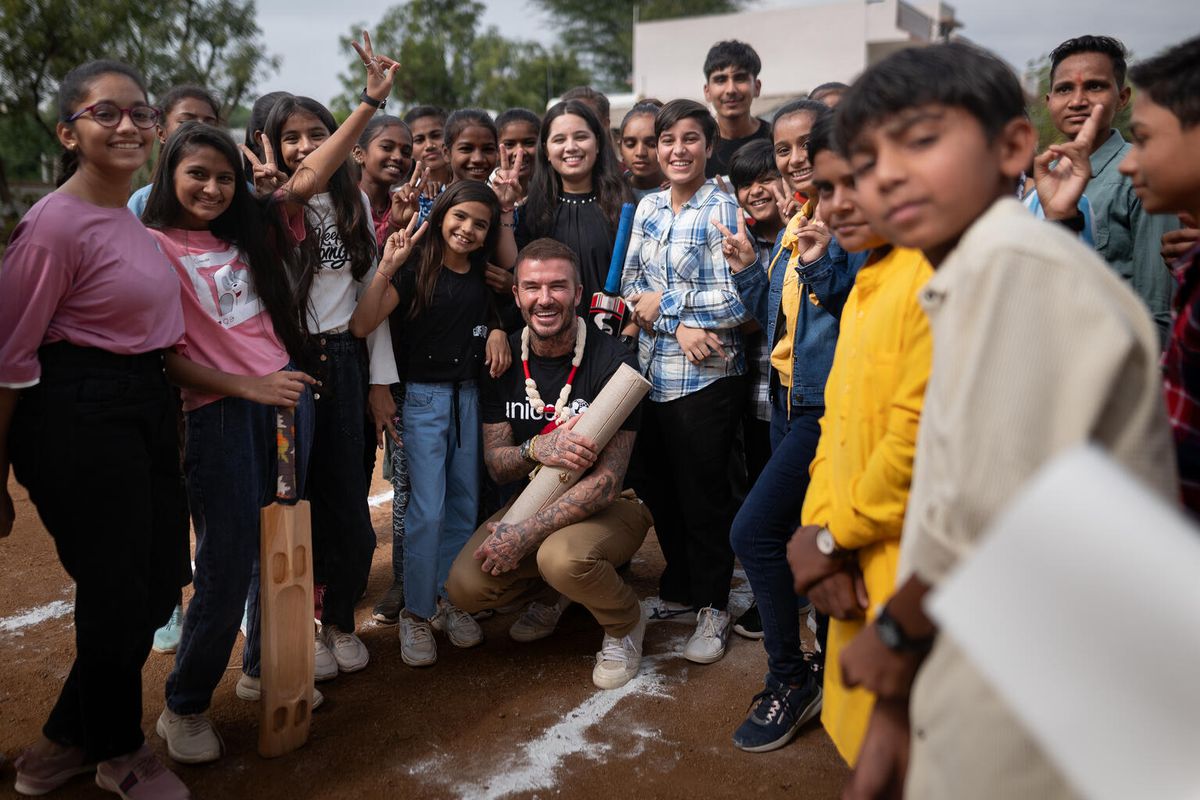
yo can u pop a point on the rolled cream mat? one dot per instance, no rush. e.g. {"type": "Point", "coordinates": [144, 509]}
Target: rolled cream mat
{"type": "Point", "coordinates": [616, 401]}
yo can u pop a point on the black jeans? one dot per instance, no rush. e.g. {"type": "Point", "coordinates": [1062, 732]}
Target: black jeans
{"type": "Point", "coordinates": [683, 478]}
{"type": "Point", "coordinates": [337, 485]}
{"type": "Point", "coordinates": [96, 444]}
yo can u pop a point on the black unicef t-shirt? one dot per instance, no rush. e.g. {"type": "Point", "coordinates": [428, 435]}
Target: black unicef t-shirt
{"type": "Point", "coordinates": [504, 398]}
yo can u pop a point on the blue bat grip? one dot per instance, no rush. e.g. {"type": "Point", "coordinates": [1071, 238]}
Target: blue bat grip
{"type": "Point", "coordinates": [624, 231]}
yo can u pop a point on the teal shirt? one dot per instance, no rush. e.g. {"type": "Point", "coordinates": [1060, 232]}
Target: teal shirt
{"type": "Point", "coordinates": [1128, 238]}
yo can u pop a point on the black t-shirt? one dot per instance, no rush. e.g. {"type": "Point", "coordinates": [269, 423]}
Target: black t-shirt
{"type": "Point", "coordinates": [724, 149]}
{"type": "Point", "coordinates": [446, 342]}
{"type": "Point", "coordinates": [503, 399]}
{"type": "Point", "coordinates": [580, 224]}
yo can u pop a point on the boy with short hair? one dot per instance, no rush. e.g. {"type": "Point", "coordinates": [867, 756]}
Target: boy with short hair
{"type": "Point", "coordinates": [1164, 167]}
{"type": "Point", "coordinates": [1037, 347]}
{"type": "Point", "coordinates": [730, 85]}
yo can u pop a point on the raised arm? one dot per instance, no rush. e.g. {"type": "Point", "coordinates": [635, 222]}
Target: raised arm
{"type": "Point", "coordinates": [380, 298]}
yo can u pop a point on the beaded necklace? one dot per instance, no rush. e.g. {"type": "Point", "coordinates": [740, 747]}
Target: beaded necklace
{"type": "Point", "coordinates": [531, 391]}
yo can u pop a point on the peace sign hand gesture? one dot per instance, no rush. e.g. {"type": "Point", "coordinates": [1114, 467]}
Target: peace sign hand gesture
{"type": "Point", "coordinates": [507, 183]}
{"type": "Point", "coordinates": [1059, 188]}
{"type": "Point", "coordinates": [812, 239]}
{"type": "Point", "coordinates": [787, 204]}
{"type": "Point", "coordinates": [267, 177]}
{"type": "Point", "coordinates": [398, 247]}
{"type": "Point", "coordinates": [381, 70]}
{"type": "Point", "coordinates": [405, 202]}
{"type": "Point", "coordinates": [738, 251]}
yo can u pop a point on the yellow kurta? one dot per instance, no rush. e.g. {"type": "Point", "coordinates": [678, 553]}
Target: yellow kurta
{"type": "Point", "coordinates": [863, 466]}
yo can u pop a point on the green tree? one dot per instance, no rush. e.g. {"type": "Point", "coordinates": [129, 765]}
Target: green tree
{"type": "Point", "coordinates": [1037, 77]}
{"type": "Point", "coordinates": [603, 32]}
{"type": "Point", "coordinates": [447, 61]}
{"type": "Point", "coordinates": [215, 43]}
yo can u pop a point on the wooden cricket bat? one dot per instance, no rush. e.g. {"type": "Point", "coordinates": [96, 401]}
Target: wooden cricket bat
{"type": "Point", "coordinates": [608, 307]}
{"type": "Point", "coordinates": [286, 602]}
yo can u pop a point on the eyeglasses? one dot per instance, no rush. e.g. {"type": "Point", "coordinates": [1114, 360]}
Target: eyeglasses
{"type": "Point", "coordinates": [109, 115]}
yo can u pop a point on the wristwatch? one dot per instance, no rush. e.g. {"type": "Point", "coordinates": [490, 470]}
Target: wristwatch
{"type": "Point", "coordinates": [371, 101]}
{"type": "Point", "coordinates": [894, 637]}
{"type": "Point", "coordinates": [1075, 223]}
{"type": "Point", "coordinates": [828, 546]}
{"type": "Point", "coordinates": [526, 450]}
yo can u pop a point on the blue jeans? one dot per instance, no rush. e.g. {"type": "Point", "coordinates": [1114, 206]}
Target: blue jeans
{"type": "Point", "coordinates": [442, 441]}
{"type": "Point", "coordinates": [230, 464]}
{"type": "Point", "coordinates": [762, 528]}
{"type": "Point", "coordinates": [343, 537]}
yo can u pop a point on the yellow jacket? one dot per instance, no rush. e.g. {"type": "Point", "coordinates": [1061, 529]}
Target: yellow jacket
{"type": "Point", "coordinates": [863, 466]}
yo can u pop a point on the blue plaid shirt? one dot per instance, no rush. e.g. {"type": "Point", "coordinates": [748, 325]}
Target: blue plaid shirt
{"type": "Point", "coordinates": [680, 256]}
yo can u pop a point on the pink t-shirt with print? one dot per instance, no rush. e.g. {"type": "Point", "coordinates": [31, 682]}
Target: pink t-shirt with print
{"type": "Point", "coordinates": [226, 325]}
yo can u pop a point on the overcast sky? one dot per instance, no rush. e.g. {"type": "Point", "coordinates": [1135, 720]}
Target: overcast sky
{"type": "Point", "coordinates": [305, 32]}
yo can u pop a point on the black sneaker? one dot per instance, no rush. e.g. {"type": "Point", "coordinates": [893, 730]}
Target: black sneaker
{"type": "Point", "coordinates": [776, 714]}
{"type": "Point", "coordinates": [387, 610]}
{"type": "Point", "coordinates": [749, 624]}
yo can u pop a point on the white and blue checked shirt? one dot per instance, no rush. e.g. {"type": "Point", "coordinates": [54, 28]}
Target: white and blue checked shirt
{"type": "Point", "coordinates": [680, 256]}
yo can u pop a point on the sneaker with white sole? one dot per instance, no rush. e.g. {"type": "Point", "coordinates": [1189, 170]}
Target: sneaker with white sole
{"type": "Point", "coordinates": [749, 624]}
{"type": "Point", "coordinates": [250, 688]}
{"type": "Point", "coordinates": [712, 632]}
{"type": "Point", "coordinates": [417, 648]}
{"type": "Point", "coordinates": [140, 776]}
{"type": "Point", "coordinates": [659, 610]}
{"type": "Point", "coordinates": [190, 738]}
{"type": "Point", "coordinates": [41, 774]}
{"type": "Point", "coordinates": [348, 650]}
{"type": "Point", "coordinates": [459, 626]}
{"type": "Point", "coordinates": [619, 659]}
{"type": "Point", "coordinates": [325, 666]}
{"type": "Point", "coordinates": [166, 638]}
{"type": "Point", "coordinates": [777, 713]}
{"type": "Point", "coordinates": [387, 610]}
{"type": "Point", "coordinates": [537, 622]}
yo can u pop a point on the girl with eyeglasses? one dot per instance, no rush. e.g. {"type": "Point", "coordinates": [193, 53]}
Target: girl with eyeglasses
{"type": "Point", "coordinates": [88, 306]}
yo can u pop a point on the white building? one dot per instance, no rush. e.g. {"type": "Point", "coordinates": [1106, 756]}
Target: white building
{"type": "Point", "coordinates": [801, 46]}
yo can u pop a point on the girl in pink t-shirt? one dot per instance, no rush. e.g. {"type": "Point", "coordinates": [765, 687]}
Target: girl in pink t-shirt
{"type": "Point", "coordinates": [233, 253]}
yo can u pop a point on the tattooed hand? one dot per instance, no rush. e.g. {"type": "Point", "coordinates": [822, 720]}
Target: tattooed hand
{"type": "Point", "coordinates": [503, 550]}
{"type": "Point", "coordinates": [567, 449]}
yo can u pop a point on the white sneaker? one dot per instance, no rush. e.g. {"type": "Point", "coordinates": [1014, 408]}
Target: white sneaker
{"type": "Point", "coordinates": [619, 659]}
{"type": "Point", "coordinates": [459, 626]}
{"type": "Point", "coordinates": [348, 650]}
{"type": "Point", "coordinates": [538, 621]}
{"type": "Point", "coordinates": [417, 648]}
{"type": "Point", "coordinates": [712, 632]}
{"type": "Point", "coordinates": [191, 738]}
{"type": "Point", "coordinates": [250, 688]}
{"type": "Point", "coordinates": [659, 610]}
{"type": "Point", "coordinates": [325, 666]}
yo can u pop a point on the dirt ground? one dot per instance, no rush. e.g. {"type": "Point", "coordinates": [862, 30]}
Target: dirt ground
{"type": "Point", "coordinates": [501, 720]}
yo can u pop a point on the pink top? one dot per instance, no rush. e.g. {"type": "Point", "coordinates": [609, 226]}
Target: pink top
{"type": "Point", "coordinates": [87, 275]}
{"type": "Point", "coordinates": [227, 325]}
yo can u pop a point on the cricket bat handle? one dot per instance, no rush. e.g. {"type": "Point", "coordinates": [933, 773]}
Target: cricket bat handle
{"type": "Point", "coordinates": [285, 454]}
{"type": "Point", "coordinates": [612, 285]}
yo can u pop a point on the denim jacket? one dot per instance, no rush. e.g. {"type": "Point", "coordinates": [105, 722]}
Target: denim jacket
{"type": "Point", "coordinates": [830, 278]}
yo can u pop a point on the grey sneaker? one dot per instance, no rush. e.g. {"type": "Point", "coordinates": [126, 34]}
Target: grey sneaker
{"type": "Point", "coordinates": [619, 659]}
{"type": "Point", "coordinates": [417, 648]}
{"type": "Point", "coordinates": [325, 666]}
{"type": "Point", "coordinates": [538, 621]}
{"type": "Point", "coordinates": [140, 776]}
{"type": "Point", "coordinates": [712, 632]}
{"type": "Point", "coordinates": [387, 610]}
{"type": "Point", "coordinates": [459, 626]}
{"type": "Point", "coordinates": [250, 688]}
{"type": "Point", "coordinates": [191, 738]}
{"type": "Point", "coordinates": [348, 650]}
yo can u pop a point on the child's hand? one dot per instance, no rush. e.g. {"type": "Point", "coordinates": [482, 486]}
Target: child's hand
{"type": "Point", "coordinates": [497, 353]}
{"type": "Point", "coordinates": [267, 177]}
{"type": "Point", "coordinates": [405, 202]}
{"type": "Point", "coordinates": [1177, 242]}
{"type": "Point", "coordinates": [399, 246]}
{"type": "Point", "coordinates": [645, 308]}
{"type": "Point", "coordinates": [737, 249]}
{"type": "Point", "coordinates": [812, 240]}
{"type": "Point", "coordinates": [1060, 188]}
{"type": "Point", "coordinates": [787, 203]}
{"type": "Point", "coordinates": [381, 70]}
{"type": "Point", "coordinates": [507, 183]}
{"type": "Point", "coordinates": [698, 344]}
{"type": "Point", "coordinates": [281, 388]}
{"type": "Point", "coordinates": [499, 280]}
{"type": "Point", "coordinates": [383, 413]}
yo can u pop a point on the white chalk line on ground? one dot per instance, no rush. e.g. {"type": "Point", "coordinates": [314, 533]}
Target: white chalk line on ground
{"type": "Point", "coordinates": [377, 500]}
{"type": "Point", "coordinates": [16, 624]}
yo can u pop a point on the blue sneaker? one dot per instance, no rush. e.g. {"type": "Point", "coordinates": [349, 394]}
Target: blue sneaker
{"type": "Point", "coordinates": [776, 714]}
{"type": "Point", "coordinates": [166, 638]}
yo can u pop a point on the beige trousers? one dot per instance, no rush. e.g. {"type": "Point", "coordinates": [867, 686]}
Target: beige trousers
{"type": "Point", "coordinates": [579, 561]}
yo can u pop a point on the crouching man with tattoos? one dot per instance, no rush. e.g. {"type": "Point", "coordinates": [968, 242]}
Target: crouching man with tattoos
{"type": "Point", "coordinates": [571, 549]}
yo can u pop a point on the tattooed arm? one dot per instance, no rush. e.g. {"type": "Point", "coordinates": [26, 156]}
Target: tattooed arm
{"type": "Point", "coordinates": [509, 543]}
{"type": "Point", "coordinates": [501, 457]}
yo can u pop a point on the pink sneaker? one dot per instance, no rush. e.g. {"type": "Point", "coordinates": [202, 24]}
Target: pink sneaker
{"type": "Point", "coordinates": [140, 776]}
{"type": "Point", "coordinates": [38, 775]}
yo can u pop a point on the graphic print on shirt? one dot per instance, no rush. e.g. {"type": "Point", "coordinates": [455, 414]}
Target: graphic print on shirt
{"type": "Point", "coordinates": [223, 286]}
{"type": "Point", "coordinates": [333, 251]}
{"type": "Point", "coordinates": [524, 410]}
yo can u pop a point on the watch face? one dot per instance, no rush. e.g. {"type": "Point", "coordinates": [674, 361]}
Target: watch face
{"type": "Point", "coordinates": [887, 632]}
{"type": "Point", "coordinates": [825, 542]}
